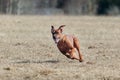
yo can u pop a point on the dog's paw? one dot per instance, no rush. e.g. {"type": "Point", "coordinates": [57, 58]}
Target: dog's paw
{"type": "Point", "coordinates": [80, 60]}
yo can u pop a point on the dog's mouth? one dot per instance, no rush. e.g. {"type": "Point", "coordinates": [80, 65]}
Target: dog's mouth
{"type": "Point", "coordinates": [56, 40]}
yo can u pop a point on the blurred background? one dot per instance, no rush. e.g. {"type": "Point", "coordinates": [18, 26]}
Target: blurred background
{"type": "Point", "coordinates": [60, 7]}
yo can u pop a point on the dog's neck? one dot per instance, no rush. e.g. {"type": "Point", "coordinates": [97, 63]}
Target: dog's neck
{"type": "Point", "coordinates": [62, 35]}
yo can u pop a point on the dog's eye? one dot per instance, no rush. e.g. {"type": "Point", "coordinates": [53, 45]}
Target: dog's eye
{"type": "Point", "coordinates": [56, 32]}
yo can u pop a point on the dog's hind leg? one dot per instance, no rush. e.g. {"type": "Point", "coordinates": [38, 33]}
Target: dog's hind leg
{"type": "Point", "coordinates": [77, 46]}
{"type": "Point", "coordinates": [73, 54]}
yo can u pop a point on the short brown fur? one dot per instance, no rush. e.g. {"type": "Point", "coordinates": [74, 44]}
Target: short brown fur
{"type": "Point", "coordinates": [67, 44]}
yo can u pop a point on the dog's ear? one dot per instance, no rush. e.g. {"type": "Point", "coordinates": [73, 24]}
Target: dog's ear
{"type": "Point", "coordinates": [52, 29]}
{"type": "Point", "coordinates": [61, 28]}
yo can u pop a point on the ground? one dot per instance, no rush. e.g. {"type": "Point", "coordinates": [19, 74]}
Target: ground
{"type": "Point", "coordinates": [27, 51]}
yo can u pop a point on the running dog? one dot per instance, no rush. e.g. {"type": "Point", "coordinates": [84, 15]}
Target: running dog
{"type": "Point", "coordinates": [67, 44]}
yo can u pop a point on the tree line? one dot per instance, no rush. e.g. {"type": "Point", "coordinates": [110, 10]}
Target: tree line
{"type": "Point", "coordinates": [68, 7]}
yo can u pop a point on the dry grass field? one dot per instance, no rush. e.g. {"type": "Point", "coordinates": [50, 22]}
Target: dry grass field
{"type": "Point", "coordinates": [27, 51]}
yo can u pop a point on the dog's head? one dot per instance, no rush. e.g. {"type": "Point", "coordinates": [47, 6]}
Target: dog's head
{"type": "Point", "coordinates": [57, 33]}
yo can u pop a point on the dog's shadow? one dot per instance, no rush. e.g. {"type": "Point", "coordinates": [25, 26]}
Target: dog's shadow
{"type": "Point", "coordinates": [51, 61]}
{"type": "Point", "coordinates": [37, 62]}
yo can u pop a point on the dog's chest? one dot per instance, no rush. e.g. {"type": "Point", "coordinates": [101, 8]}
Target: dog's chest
{"type": "Point", "coordinates": [62, 46]}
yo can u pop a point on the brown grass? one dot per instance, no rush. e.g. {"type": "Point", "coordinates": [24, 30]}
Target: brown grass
{"type": "Point", "coordinates": [27, 51]}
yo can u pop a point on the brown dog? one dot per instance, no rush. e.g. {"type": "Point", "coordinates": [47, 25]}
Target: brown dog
{"type": "Point", "coordinates": [67, 44]}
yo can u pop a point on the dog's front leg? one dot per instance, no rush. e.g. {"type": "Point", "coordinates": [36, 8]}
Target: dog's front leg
{"type": "Point", "coordinates": [68, 55]}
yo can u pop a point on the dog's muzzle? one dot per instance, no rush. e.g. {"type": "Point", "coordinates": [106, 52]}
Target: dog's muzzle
{"type": "Point", "coordinates": [56, 40]}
